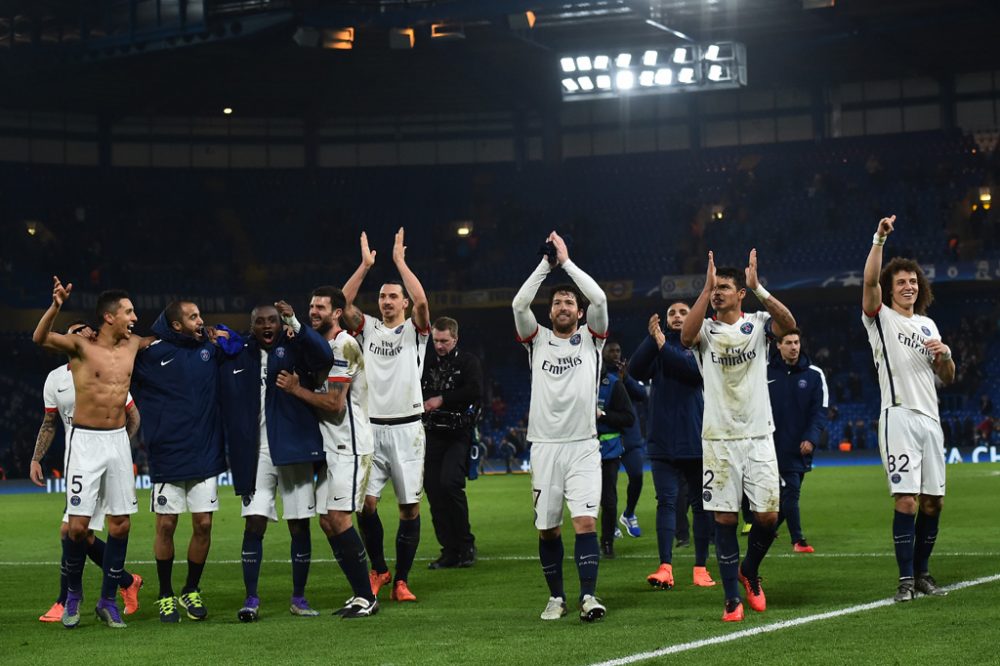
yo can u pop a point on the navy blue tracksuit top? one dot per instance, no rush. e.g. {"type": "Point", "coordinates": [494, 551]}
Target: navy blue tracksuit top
{"type": "Point", "coordinates": [799, 400]}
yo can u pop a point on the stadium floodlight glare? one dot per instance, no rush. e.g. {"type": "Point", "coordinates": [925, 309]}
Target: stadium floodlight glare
{"type": "Point", "coordinates": [684, 55]}
{"type": "Point", "coordinates": [568, 65]}
{"type": "Point", "coordinates": [712, 52]}
{"type": "Point", "coordinates": [624, 80]}
{"type": "Point", "coordinates": [649, 58]}
{"type": "Point", "coordinates": [664, 76]}
{"type": "Point", "coordinates": [586, 83]}
{"type": "Point", "coordinates": [602, 62]}
{"type": "Point", "coordinates": [646, 77]}
{"type": "Point", "coordinates": [570, 85]}
{"type": "Point", "coordinates": [604, 81]}
{"type": "Point", "coordinates": [623, 60]}
{"type": "Point", "coordinates": [717, 72]}
{"type": "Point", "coordinates": [686, 75]}
{"type": "Point", "coordinates": [227, 111]}
{"type": "Point", "coordinates": [583, 63]}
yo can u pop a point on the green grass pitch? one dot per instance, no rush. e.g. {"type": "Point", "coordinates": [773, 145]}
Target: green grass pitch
{"type": "Point", "coordinates": [489, 614]}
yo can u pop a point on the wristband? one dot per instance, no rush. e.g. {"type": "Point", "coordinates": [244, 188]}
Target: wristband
{"type": "Point", "coordinates": [879, 240]}
{"type": "Point", "coordinates": [762, 294]}
{"type": "Point", "coordinates": [293, 322]}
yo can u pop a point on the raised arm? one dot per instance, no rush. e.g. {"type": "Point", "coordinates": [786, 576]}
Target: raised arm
{"type": "Point", "coordinates": [421, 309]}
{"type": "Point", "coordinates": [524, 318]}
{"type": "Point", "coordinates": [597, 313]}
{"type": "Point", "coordinates": [871, 294]}
{"type": "Point", "coordinates": [46, 433]}
{"type": "Point", "coordinates": [44, 336]}
{"type": "Point", "coordinates": [782, 320]}
{"type": "Point", "coordinates": [691, 330]}
{"type": "Point", "coordinates": [353, 284]}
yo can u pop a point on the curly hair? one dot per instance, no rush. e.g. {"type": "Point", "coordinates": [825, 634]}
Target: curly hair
{"type": "Point", "coordinates": [924, 294]}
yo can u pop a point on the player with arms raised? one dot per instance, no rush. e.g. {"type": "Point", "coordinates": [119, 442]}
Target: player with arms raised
{"type": "Point", "coordinates": [562, 422]}
{"type": "Point", "coordinates": [908, 353]}
{"type": "Point", "coordinates": [737, 428]}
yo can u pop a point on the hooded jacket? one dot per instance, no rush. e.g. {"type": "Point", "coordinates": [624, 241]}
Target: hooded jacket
{"type": "Point", "coordinates": [293, 434]}
{"type": "Point", "coordinates": [175, 384]}
{"type": "Point", "coordinates": [799, 399]}
{"type": "Point", "coordinates": [676, 400]}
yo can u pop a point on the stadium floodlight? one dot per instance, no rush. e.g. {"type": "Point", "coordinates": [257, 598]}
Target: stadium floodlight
{"type": "Point", "coordinates": [684, 55]}
{"type": "Point", "coordinates": [717, 72]}
{"type": "Point", "coordinates": [623, 60]}
{"type": "Point", "coordinates": [604, 81]}
{"type": "Point", "coordinates": [586, 83]}
{"type": "Point", "coordinates": [583, 63]}
{"type": "Point", "coordinates": [228, 111]}
{"type": "Point", "coordinates": [602, 62]}
{"type": "Point", "coordinates": [568, 65]}
{"type": "Point", "coordinates": [570, 85]}
{"type": "Point", "coordinates": [649, 58]}
{"type": "Point", "coordinates": [686, 75]}
{"type": "Point", "coordinates": [712, 52]}
{"type": "Point", "coordinates": [624, 80]}
{"type": "Point", "coordinates": [646, 77]}
{"type": "Point", "coordinates": [664, 76]}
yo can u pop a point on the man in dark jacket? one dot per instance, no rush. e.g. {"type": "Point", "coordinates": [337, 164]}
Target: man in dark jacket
{"type": "Point", "coordinates": [674, 439]}
{"type": "Point", "coordinates": [273, 440]}
{"type": "Point", "coordinates": [614, 416]}
{"type": "Point", "coordinates": [799, 401]}
{"type": "Point", "coordinates": [176, 385]}
{"type": "Point", "coordinates": [452, 386]}
{"type": "Point", "coordinates": [632, 458]}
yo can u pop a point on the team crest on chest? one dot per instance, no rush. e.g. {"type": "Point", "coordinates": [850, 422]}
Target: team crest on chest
{"type": "Point", "coordinates": [204, 355]}
{"type": "Point", "coordinates": [280, 352]}
{"type": "Point", "coordinates": [802, 383]}
{"type": "Point", "coordinates": [926, 330]}
{"type": "Point", "coordinates": [575, 340]}
{"type": "Point", "coordinates": [399, 329]}
{"type": "Point", "coordinates": [746, 329]}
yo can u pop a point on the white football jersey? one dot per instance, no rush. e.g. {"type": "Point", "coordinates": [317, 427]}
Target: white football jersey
{"type": "Point", "coordinates": [394, 363]}
{"type": "Point", "coordinates": [733, 362]}
{"type": "Point", "coordinates": [564, 379]}
{"type": "Point", "coordinates": [59, 395]}
{"type": "Point", "coordinates": [352, 433]}
{"type": "Point", "coordinates": [905, 367]}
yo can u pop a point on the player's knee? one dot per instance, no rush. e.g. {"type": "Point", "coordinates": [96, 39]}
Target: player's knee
{"type": "Point", "coordinates": [335, 522]}
{"type": "Point", "coordinates": [256, 526]}
{"type": "Point", "coordinates": [63, 530]}
{"type": "Point", "coordinates": [202, 525]}
{"type": "Point", "coordinates": [550, 534]}
{"type": "Point", "coordinates": [584, 524]}
{"type": "Point", "coordinates": [119, 526]}
{"type": "Point", "coordinates": [298, 527]}
{"type": "Point", "coordinates": [930, 505]}
{"type": "Point", "coordinates": [166, 525]}
{"type": "Point", "coordinates": [409, 511]}
{"type": "Point", "coordinates": [370, 506]}
{"type": "Point", "coordinates": [906, 504]}
{"type": "Point", "coordinates": [725, 518]}
{"type": "Point", "coordinates": [77, 532]}
{"type": "Point", "coordinates": [767, 519]}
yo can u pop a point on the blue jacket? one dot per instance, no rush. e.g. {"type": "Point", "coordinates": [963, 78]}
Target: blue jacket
{"type": "Point", "coordinates": [175, 384]}
{"type": "Point", "coordinates": [293, 434]}
{"type": "Point", "coordinates": [613, 400]}
{"type": "Point", "coordinates": [799, 399]}
{"type": "Point", "coordinates": [676, 401]}
{"type": "Point", "coordinates": [632, 435]}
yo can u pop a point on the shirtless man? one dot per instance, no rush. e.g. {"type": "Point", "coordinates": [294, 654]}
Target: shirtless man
{"type": "Point", "coordinates": [98, 455]}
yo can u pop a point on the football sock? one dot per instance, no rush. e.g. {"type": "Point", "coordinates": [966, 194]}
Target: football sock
{"type": "Point", "coordinates": [349, 552]}
{"type": "Point", "coordinates": [114, 565]}
{"type": "Point", "coordinates": [903, 529]}
{"type": "Point", "coordinates": [926, 531]}
{"type": "Point", "coordinates": [301, 556]}
{"type": "Point", "coordinates": [75, 553]}
{"type": "Point", "coordinates": [95, 551]}
{"type": "Point", "coordinates": [63, 576]}
{"type": "Point", "coordinates": [550, 552]}
{"type": "Point", "coordinates": [373, 534]}
{"type": "Point", "coordinates": [632, 494]}
{"type": "Point", "coordinates": [727, 551]}
{"type": "Point", "coordinates": [195, 570]}
{"type": "Point", "coordinates": [588, 558]}
{"type": "Point", "coordinates": [702, 529]}
{"type": "Point", "coordinates": [758, 543]}
{"type": "Point", "coordinates": [253, 552]}
{"type": "Point", "coordinates": [164, 572]}
{"type": "Point", "coordinates": [407, 540]}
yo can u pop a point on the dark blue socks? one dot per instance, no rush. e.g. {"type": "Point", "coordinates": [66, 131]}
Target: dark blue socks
{"type": "Point", "coordinates": [902, 535]}
{"type": "Point", "coordinates": [407, 540]}
{"type": "Point", "coordinates": [550, 552]}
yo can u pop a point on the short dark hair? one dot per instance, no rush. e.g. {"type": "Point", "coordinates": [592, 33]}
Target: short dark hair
{"type": "Point", "coordinates": [446, 324]}
{"type": "Point", "coordinates": [335, 294]}
{"type": "Point", "coordinates": [401, 286]}
{"type": "Point", "coordinates": [581, 302]}
{"type": "Point", "coordinates": [735, 274]}
{"type": "Point", "coordinates": [791, 331]}
{"type": "Point", "coordinates": [173, 311]}
{"type": "Point", "coordinates": [898, 265]}
{"type": "Point", "coordinates": [108, 303]}
{"type": "Point", "coordinates": [78, 322]}
{"type": "Point", "coordinates": [261, 306]}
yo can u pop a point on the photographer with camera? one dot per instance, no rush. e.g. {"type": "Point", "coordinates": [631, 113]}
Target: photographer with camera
{"type": "Point", "coordinates": [453, 387]}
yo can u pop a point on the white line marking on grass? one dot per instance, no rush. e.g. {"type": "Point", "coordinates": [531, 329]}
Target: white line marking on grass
{"type": "Point", "coordinates": [777, 626]}
{"type": "Point", "coordinates": [534, 558]}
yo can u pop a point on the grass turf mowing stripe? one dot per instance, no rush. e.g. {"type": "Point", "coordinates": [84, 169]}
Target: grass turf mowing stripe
{"type": "Point", "coordinates": [777, 626]}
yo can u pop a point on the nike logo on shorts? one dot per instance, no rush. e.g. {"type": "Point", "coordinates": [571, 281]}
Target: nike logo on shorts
{"type": "Point", "coordinates": [771, 381]}
{"type": "Point", "coordinates": [310, 507]}
{"type": "Point", "coordinates": [65, 388]}
{"type": "Point", "coordinates": [337, 499]}
{"type": "Point", "coordinates": [169, 360]}
{"type": "Point", "coordinates": [214, 500]}
{"type": "Point", "coordinates": [591, 506]}
{"type": "Point", "coordinates": [236, 372]}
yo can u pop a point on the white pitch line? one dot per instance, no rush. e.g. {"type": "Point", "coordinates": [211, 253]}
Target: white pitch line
{"type": "Point", "coordinates": [534, 558]}
{"type": "Point", "coordinates": [777, 626]}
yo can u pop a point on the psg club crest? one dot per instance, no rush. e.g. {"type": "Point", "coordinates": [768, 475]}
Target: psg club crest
{"type": "Point", "coordinates": [75, 500]}
{"type": "Point", "coordinates": [802, 383]}
{"type": "Point", "coordinates": [926, 330]}
{"type": "Point", "coordinates": [204, 355]}
{"type": "Point", "coordinates": [575, 340]}
{"type": "Point", "coordinates": [896, 478]}
{"type": "Point", "coordinates": [746, 329]}
{"type": "Point", "coordinates": [399, 329]}
{"type": "Point", "coordinates": [707, 496]}
{"type": "Point", "coordinates": [280, 352]}
{"type": "Point", "coordinates": [162, 500]}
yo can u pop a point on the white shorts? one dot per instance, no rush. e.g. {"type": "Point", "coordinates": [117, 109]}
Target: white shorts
{"type": "Point", "coordinates": [734, 467]}
{"type": "Point", "coordinates": [912, 449]}
{"type": "Point", "coordinates": [99, 473]}
{"type": "Point", "coordinates": [96, 520]}
{"type": "Point", "coordinates": [399, 455]}
{"type": "Point", "coordinates": [342, 488]}
{"type": "Point", "coordinates": [294, 482]}
{"type": "Point", "coordinates": [565, 470]}
{"type": "Point", "coordinates": [185, 496]}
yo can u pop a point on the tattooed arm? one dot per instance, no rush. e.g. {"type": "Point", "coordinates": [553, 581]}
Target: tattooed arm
{"type": "Point", "coordinates": [46, 433]}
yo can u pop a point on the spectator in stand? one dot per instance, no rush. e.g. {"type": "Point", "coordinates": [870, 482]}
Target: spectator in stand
{"type": "Point", "coordinates": [860, 435]}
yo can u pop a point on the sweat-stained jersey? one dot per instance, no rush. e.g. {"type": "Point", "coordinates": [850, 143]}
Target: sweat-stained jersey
{"type": "Point", "coordinates": [564, 377]}
{"type": "Point", "coordinates": [352, 433]}
{"type": "Point", "coordinates": [733, 363]}
{"type": "Point", "coordinates": [905, 367]}
{"type": "Point", "coordinates": [394, 364]}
